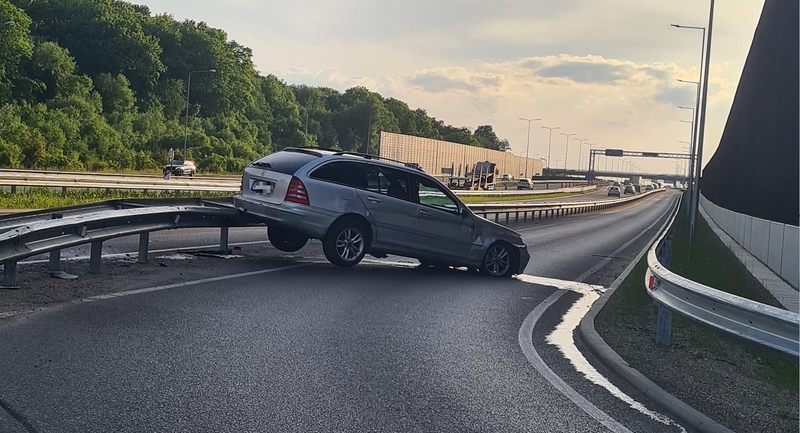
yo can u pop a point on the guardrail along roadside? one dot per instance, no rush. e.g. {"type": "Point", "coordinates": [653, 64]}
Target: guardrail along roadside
{"type": "Point", "coordinates": [751, 321]}
{"type": "Point", "coordinates": [67, 180]}
{"type": "Point", "coordinates": [48, 231]}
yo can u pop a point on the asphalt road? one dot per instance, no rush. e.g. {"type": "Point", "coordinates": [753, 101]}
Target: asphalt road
{"type": "Point", "coordinates": [379, 347]}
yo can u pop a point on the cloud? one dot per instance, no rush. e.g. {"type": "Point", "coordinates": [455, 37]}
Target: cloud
{"type": "Point", "coordinates": [435, 82]}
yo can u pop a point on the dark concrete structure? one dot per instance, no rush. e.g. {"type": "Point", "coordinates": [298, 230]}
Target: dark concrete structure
{"type": "Point", "coordinates": [755, 169]}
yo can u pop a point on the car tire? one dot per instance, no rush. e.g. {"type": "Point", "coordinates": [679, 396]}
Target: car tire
{"type": "Point", "coordinates": [191, 174]}
{"type": "Point", "coordinates": [346, 243]}
{"type": "Point", "coordinates": [499, 261]}
{"type": "Point", "coordinates": [286, 240]}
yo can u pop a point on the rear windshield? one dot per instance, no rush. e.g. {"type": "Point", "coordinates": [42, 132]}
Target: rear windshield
{"type": "Point", "coordinates": [285, 162]}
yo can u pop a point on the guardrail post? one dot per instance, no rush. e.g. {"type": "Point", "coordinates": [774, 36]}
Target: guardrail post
{"type": "Point", "coordinates": [13, 189]}
{"type": "Point", "coordinates": [95, 256]}
{"type": "Point", "coordinates": [664, 326]}
{"type": "Point", "coordinates": [10, 274]}
{"type": "Point", "coordinates": [63, 192]}
{"type": "Point", "coordinates": [223, 238]}
{"type": "Point", "coordinates": [54, 264]}
{"type": "Point", "coordinates": [144, 243]}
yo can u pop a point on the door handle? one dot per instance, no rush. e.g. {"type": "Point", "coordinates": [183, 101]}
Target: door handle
{"type": "Point", "coordinates": [424, 212]}
{"type": "Point", "coordinates": [374, 199]}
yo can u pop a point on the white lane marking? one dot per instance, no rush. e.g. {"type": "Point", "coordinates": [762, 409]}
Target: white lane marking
{"type": "Point", "coordinates": [563, 338]}
{"type": "Point", "coordinates": [526, 340]}
{"type": "Point", "coordinates": [192, 283]}
{"type": "Point", "coordinates": [9, 314]}
{"type": "Point", "coordinates": [135, 253]}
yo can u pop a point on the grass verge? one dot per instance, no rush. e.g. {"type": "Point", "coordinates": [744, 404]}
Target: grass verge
{"type": "Point", "coordinates": [741, 386]}
{"type": "Point", "coordinates": [45, 198]}
{"type": "Point", "coordinates": [511, 198]}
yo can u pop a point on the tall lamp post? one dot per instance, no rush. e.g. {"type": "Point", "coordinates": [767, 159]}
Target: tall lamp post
{"type": "Point", "coordinates": [691, 149]}
{"type": "Point", "coordinates": [580, 149]}
{"type": "Point", "coordinates": [186, 124]}
{"type": "Point", "coordinates": [528, 145]}
{"type": "Point", "coordinates": [550, 142]}
{"type": "Point", "coordinates": [566, 152]}
{"type": "Point", "coordinates": [700, 114]}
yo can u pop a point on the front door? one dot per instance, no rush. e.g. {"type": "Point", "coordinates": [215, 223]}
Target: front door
{"type": "Point", "coordinates": [440, 228]}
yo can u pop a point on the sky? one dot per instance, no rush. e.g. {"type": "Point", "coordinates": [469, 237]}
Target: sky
{"type": "Point", "coordinates": [604, 70]}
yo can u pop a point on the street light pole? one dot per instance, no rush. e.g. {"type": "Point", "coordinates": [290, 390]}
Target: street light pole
{"type": "Point", "coordinates": [186, 124]}
{"type": "Point", "coordinates": [580, 149]}
{"type": "Point", "coordinates": [550, 142]}
{"type": "Point", "coordinates": [566, 152]}
{"type": "Point", "coordinates": [696, 162]}
{"type": "Point", "coordinates": [528, 145]}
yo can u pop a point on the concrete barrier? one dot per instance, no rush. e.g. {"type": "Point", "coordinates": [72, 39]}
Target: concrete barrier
{"type": "Point", "coordinates": [775, 244]}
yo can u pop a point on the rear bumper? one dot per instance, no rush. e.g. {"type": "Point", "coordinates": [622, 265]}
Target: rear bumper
{"type": "Point", "coordinates": [308, 220]}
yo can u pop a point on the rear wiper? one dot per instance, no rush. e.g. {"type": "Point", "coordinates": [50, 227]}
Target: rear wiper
{"type": "Point", "coordinates": [262, 164]}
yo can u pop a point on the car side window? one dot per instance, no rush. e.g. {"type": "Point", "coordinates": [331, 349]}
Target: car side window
{"type": "Point", "coordinates": [343, 172]}
{"type": "Point", "coordinates": [388, 181]}
{"type": "Point", "coordinates": [432, 194]}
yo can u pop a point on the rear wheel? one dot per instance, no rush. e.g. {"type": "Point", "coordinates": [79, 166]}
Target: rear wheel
{"type": "Point", "coordinates": [286, 240]}
{"type": "Point", "coordinates": [346, 242]}
{"type": "Point", "coordinates": [499, 261]}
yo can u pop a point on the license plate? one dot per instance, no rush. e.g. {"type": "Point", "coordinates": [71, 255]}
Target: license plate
{"type": "Point", "coordinates": [260, 186]}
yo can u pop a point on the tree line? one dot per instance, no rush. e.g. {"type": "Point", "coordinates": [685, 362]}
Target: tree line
{"type": "Point", "coordinates": [101, 85]}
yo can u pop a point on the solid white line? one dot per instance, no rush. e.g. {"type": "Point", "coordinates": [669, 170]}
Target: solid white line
{"type": "Point", "coordinates": [191, 283]}
{"type": "Point", "coordinates": [525, 337]}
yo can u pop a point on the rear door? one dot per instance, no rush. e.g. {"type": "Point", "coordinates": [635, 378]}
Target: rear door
{"type": "Point", "coordinates": [387, 198]}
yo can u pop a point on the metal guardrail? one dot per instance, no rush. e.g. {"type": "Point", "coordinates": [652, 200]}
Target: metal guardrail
{"type": "Point", "coordinates": [547, 210]}
{"type": "Point", "coordinates": [29, 234]}
{"type": "Point", "coordinates": [108, 181]}
{"type": "Point", "coordinates": [751, 321]}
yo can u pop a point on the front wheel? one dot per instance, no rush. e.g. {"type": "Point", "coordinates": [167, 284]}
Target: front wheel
{"type": "Point", "coordinates": [499, 261]}
{"type": "Point", "coordinates": [346, 243]}
{"type": "Point", "coordinates": [286, 240]}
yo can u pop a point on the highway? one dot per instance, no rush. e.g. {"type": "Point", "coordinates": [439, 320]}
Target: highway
{"type": "Point", "coordinates": [303, 346]}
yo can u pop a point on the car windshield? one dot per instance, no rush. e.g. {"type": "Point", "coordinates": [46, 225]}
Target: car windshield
{"type": "Point", "coordinates": [176, 162]}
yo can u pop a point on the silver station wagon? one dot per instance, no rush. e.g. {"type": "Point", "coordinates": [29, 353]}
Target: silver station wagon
{"type": "Point", "coordinates": [360, 204]}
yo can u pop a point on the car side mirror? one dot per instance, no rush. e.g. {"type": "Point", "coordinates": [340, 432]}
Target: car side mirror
{"type": "Point", "coordinates": [463, 212]}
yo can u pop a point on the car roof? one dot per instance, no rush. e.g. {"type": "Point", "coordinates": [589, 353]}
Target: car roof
{"type": "Point", "coordinates": [339, 154]}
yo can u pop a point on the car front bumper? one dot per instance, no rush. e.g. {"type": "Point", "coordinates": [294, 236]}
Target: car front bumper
{"type": "Point", "coordinates": [524, 258]}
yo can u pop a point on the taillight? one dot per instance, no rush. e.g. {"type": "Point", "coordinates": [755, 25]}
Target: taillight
{"type": "Point", "coordinates": [297, 192]}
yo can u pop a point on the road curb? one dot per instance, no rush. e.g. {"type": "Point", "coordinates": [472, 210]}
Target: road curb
{"type": "Point", "coordinates": [677, 409]}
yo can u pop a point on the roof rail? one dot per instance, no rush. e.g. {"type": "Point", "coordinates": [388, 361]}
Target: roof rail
{"type": "Point", "coordinates": [380, 158]}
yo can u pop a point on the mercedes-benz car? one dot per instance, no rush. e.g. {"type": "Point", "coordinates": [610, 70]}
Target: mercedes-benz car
{"type": "Point", "coordinates": [361, 204]}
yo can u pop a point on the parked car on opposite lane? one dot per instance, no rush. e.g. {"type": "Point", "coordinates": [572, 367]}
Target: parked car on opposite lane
{"type": "Point", "coordinates": [613, 191]}
{"type": "Point", "coordinates": [361, 204]}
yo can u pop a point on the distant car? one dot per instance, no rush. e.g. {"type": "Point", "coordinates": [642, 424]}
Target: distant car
{"type": "Point", "coordinates": [360, 204]}
{"type": "Point", "coordinates": [629, 189]}
{"type": "Point", "coordinates": [613, 191]}
{"type": "Point", "coordinates": [178, 167]}
{"type": "Point", "coordinates": [508, 177]}
{"type": "Point", "coordinates": [524, 184]}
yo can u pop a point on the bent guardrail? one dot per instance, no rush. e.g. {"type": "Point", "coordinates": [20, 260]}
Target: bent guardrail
{"type": "Point", "coordinates": [751, 321]}
{"type": "Point", "coordinates": [51, 230]}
